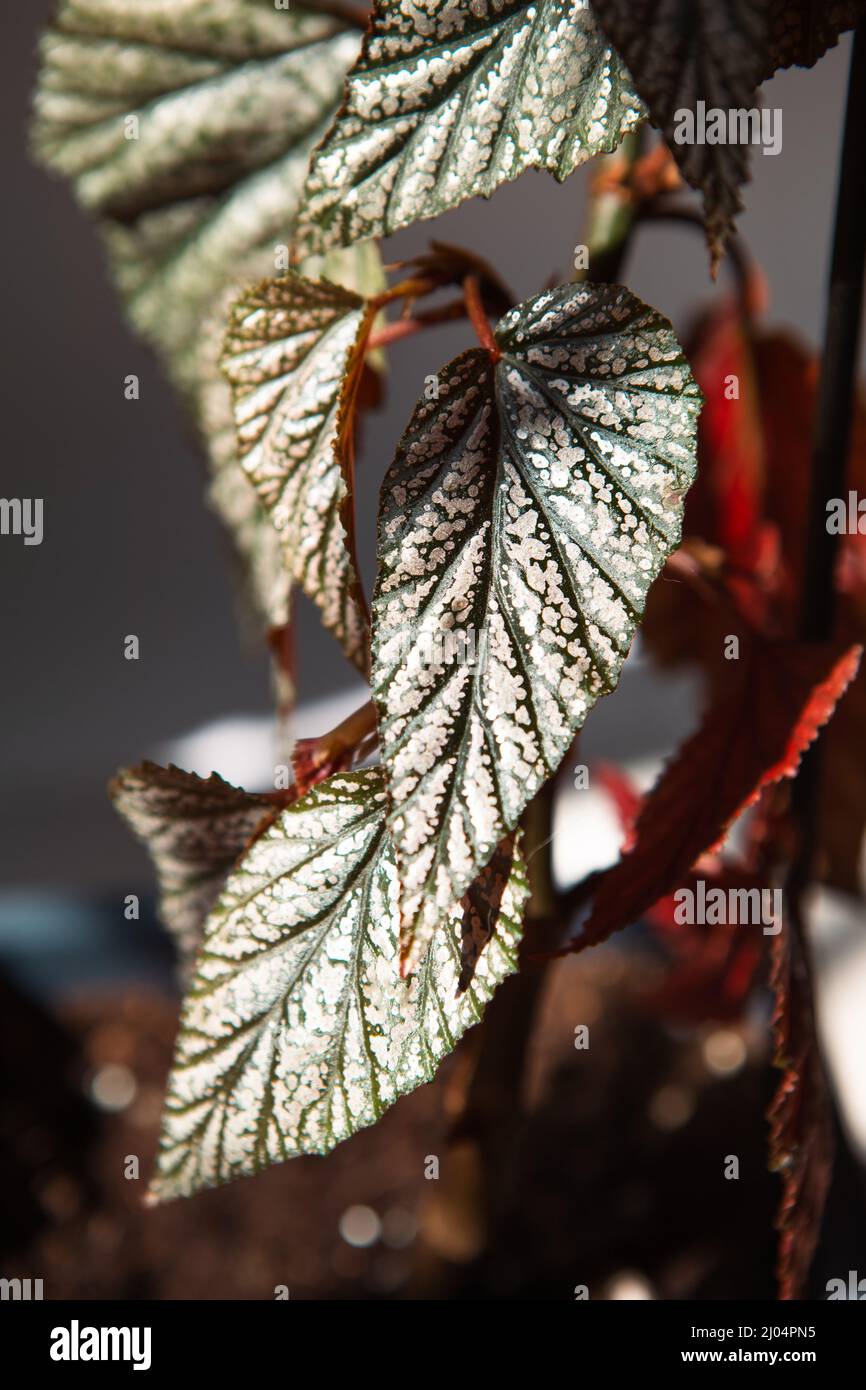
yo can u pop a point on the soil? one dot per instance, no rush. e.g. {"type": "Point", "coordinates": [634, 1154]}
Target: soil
{"type": "Point", "coordinates": [612, 1177]}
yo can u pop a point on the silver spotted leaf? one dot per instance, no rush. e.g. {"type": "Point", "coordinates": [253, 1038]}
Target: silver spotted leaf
{"type": "Point", "coordinates": [526, 513]}
{"type": "Point", "coordinates": [194, 829]}
{"type": "Point", "coordinates": [679, 53]}
{"type": "Point", "coordinates": [451, 98]}
{"type": "Point", "coordinates": [481, 906]}
{"type": "Point", "coordinates": [801, 31]}
{"type": "Point", "coordinates": [293, 356]}
{"type": "Point", "coordinates": [266, 575]}
{"type": "Point", "coordinates": [146, 105]}
{"type": "Point", "coordinates": [186, 127]}
{"type": "Point", "coordinates": [298, 1031]}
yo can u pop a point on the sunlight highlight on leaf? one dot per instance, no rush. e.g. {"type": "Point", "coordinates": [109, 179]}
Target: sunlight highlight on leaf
{"type": "Point", "coordinates": [293, 355]}
{"type": "Point", "coordinates": [526, 514]}
{"type": "Point", "coordinates": [450, 99]}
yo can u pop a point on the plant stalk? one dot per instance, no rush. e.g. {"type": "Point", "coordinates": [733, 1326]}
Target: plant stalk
{"type": "Point", "coordinates": [405, 328]}
{"type": "Point", "coordinates": [611, 215]}
{"type": "Point", "coordinates": [477, 315]}
{"type": "Point", "coordinates": [832, 431]}
{"type": "Point", "coordinates": [832, 435]}
{"type": "Point", "coordinates": [830, 450]}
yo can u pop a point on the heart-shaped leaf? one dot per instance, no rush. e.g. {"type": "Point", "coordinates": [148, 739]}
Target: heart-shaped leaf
{"type": "Point", "coordinates": [297, 1031]}
{"type": "Point", "coordinates": [526, 514]}
{"type": "Point", "coordinates": [451, 98]}
{"type": "Point", "coordinates": [194, 829]}
{"type": "Point", "coordinates": [293, 355]}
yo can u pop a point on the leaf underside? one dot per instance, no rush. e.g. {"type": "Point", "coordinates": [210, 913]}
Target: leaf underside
{"type": "Point", "coordinates": [297, 1031]}
{"type": "Point", "coordinates": [194, 828]}
{"type": "Point", "coordinates": [525, 516]}
{"type": "Point", "coordinates": [292, 355]}
{"type": "Point", "coordinates": [229, 97]}
{"type": "Point", "coordinates": [450, 99]}
{"type": "Point", "coordinates": [680, 52]}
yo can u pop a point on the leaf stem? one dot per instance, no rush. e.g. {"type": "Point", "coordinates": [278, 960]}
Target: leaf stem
{"type": "Point", "coordinates": [538, 852]}
{"type": "Point", "coordinates": [478, 318]}
{"type": "Point", "coordinates": [405, 328]}
{"type": "Point", "coordinates": [415, 287]}
{"type": "Point", "coordinates": [663, 211]}
{"type": "Point", "coordinates": [832, 430]}
{"type": "Point", "coordinates": [316, 758]}
{"type": "Point", "coordinates": [611, 213]}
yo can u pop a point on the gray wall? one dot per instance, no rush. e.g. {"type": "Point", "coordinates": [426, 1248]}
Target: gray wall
{"type": "Point", "coordinates": [129, 546]}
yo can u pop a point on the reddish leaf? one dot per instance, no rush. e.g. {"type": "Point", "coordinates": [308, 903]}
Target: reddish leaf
{"type": "Point", "coordinates": [714, 966]}
{"type": "Point", "coordinates": [779, 696]}
{"type": "Point", "coordinates": [724, 507]}
{"type": "Point", "coordinates": [788, 383]}
{"type": "Point", "coordinates": [713, 986]}
{"type": "Point", "coordinates": [800, 1117]}
{"type": "Point", "coordinates": [755, 462]}
{"type": "Point", "coordinates": [625, 797]}
{"type": "Point", "coordinates": [842, 792]}
{"type": "Point", "coordinates": [686, 623]}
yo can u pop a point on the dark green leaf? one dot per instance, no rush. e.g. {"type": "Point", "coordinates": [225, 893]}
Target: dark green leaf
{"type": "Point", "coordinates": [194, 829]}
{"type": "Point", "coordinates": [298, 1030]}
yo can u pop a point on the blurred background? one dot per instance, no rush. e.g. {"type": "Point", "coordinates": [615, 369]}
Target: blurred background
{"type": "Point", "coordinates": [615, 1178]}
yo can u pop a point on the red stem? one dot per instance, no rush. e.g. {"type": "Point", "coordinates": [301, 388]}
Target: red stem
{"type": "Point", "coordinates": [404, 328]}
{"type": "Point", "coordinates": [478, 318]}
